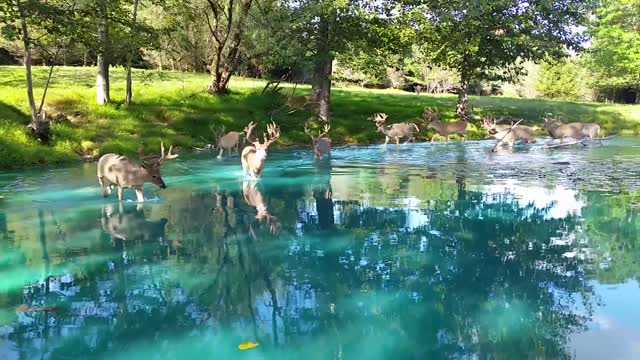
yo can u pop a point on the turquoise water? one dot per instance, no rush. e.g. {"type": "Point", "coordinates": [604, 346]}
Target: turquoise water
{"type": "Point", "coordinates": [412, 252]}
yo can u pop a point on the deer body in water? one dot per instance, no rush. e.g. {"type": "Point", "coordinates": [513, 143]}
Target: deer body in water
{"type": "Point", "coordinates": [132, 225]}
{"type": "Point", "coordinates": [508, 134]}
{"type": "Point", "coordinates": [231, 140]}
{"type": "Point", "coordinates": [395, 131]}
{"type": "Point", "coordinates": [321, 144]}
{"type": "Point", "coordinates": [116, 170]}
{"type": "Point", "coordinates": [253, 157]}
{"type": "Point", "coordinates": [444, 129]}
{"type": "Point", "coordinates": [576, 130]}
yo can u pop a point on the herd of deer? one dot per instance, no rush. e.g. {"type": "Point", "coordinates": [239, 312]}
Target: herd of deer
{"type": "Point", "coordinates": [116, 170]}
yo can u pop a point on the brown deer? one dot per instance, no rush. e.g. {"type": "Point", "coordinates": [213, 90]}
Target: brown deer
{"type": "Point", "coordinates": [396, 131]}
{"type": "Point", "coordinates": [444, 129]}
{"type": "Point", "coordinates": [576, 130]}
{"type": "Point", "coordinates": [297, 102]}
{"type": "Point", "coordinates": [116, 170]}
{"type": "Point", "coordinates": [321, 144]}
{"type": "Point", "coordinates": [231, 140]}
{"type": "Point", "coordinates": [253, 157]}
{"type": "Point", "coordinates": [508, 134]}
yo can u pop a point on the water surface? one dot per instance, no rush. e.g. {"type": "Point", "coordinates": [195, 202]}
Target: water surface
{"type": "Point", "coordinates": [426, 251]}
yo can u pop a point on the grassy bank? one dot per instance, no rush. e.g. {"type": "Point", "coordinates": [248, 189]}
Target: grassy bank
{"type": "Point", "coordinates": [171, 106]}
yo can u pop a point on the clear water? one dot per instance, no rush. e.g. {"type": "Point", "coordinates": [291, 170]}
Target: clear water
{"type": "Point", "coordinates": [413, 252]}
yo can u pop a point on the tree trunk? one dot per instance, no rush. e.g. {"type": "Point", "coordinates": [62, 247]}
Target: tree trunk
{"type": "Point", "coordinates": [102, 79]}
{"type": "Point", "coordinates": [128, 96]}
{"type": "Point", "coordinates": [224, 64]}
{"type": "Point", "coordinates": [462, 108]}
{"type": "Point", "coordinates": [27, 62]}
{"type": "Point", "coordinates": [323, 68]}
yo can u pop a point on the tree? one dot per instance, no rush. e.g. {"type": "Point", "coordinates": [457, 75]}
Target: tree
{"type": "Point", "coordinates": [102, 76]}
{"type": "Point", "coordinates": [331, 28]}
{"type": "Point", "coordinates": [22, 19]}
{"type": "Point", "coordinates": [490, 40]}
{"type": "Point", "coordinates": [129, 92]}
{"type": "Point", "coordinates": [615, 51]}
{"type": "Point", "coordinates": [226, 21]}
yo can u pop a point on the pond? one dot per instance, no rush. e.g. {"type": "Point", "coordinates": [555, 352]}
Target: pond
{"type": "Point", "coordinates": [425, 251]}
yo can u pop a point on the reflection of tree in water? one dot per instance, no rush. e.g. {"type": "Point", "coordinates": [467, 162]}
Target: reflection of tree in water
{"type": "Point", "coordinates": [475, 275]}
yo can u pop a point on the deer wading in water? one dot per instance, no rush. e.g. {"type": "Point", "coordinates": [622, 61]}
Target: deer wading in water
{"type": "Point", "coordinates": [576, 130]}
{"type": "Point", "coordinates": [231, 140]}
{"type": "Point", "coordinates": [444, 129]}
{"type": "Point", "coordinates": [395, 131]}
{"type": "Point", "coordinates": [116, 170]}
{"type": "Point", "coordinates": [321, 144]}
{"type": "Point", "coordinates": [254, 156]}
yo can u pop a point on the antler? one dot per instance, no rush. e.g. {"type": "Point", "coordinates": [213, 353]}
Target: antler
{"type": "Point", "coordinates": [307, 131]}
{"type": "Point", "coordinates": [168, 156]}
{"type": "Point", "coordinates": [430, 114]}
{"type": "Point", "coordinates": [248, 130]}
{"type": "Point", "coordinates": [379, 118]}
{"type": "Point", "coordinates": [325, 130]}
{"type": "Point", "coordinates": [274, 133]}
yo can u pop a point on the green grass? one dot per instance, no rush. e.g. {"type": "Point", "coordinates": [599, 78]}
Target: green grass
{"type": "Point", "coordinates": [171, 107]}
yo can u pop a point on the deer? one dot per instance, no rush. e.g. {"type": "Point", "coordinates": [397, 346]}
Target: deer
{"type": "Point", "coordinates": [508, 134]}
{"type": "Point", "coordinates": [576, 130]}
{"type": "Point", "coordinates": [444, 129]}
{"type": "Point", "coordinates": [396, 131]}
{"type": "Point", "coordinates": [321, 144]}
{"type": "Point", "coordinates": [296, 102]}
{"type": "Point", "coordinates": [253, 156]}
{"type": "Point", "coordinates": [231, 140]}
{"type": "Point", "coordinates": [117, 170]}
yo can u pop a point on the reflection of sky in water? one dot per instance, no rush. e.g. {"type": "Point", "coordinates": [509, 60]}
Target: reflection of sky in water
{"type": "Point", "coordinates": [614, 332]}
{"type": "Point", "coordinates": [560, 200]}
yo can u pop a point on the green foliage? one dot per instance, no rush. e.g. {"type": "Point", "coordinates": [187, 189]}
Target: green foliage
{"type": "Point", "coordinates": [615, 52]}
{"type": "Point", "coordinates": [488, 40]}
{"type": "Point", "coordinates": [560, 80]}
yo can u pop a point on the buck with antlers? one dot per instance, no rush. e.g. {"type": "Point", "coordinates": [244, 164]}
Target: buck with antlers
{"type": "Point", "coordinates": [116, 170]}
{"type": "Point", "coordinates": [576, 130]}
{"type": "Point", "coordinates": [396, 131]}
{"type": "Point", "coordinates": [253, 157]}
{"type": "Point", "coordinates": [321, 144]}
{"type": "Point", "coordinates": [508, 134]}
{"type": "Point", "coordinates": [231, 140]}
{"type": "Point", "coordinates": [444, 129]}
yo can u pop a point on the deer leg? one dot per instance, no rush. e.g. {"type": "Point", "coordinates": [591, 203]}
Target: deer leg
{"type": "Point", "coordinates": [386, 140]}
{"type": "Point", "coordinates": [397, 141]}
{"type": "Point", "coordinates": [120, 190]}
{"type": "Point", "coordinates": [446, 139]}
{"type": "Point", "coordinates": [139, 195]}
{"type": "Point", "coordinates": [221, 152]}
{"type": "Point", "coordinates": [433, 137]}
{"type": "Point", "coordinates": [462, 137]}
{"type": "Point", "coordinates": [101, 181]}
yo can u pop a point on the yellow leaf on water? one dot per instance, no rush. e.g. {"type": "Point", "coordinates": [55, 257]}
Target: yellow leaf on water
{"type": "Point", "coordinates": [247, 345]}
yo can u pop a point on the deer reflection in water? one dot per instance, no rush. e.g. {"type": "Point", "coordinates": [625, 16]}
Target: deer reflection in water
{"type": "Point", "coordinates": [253, 197]}
{"type": "Point", "coordinates": [131, 224]}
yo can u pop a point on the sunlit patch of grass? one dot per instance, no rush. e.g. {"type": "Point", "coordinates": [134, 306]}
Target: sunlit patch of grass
{"type": "Point", "coordinates": [173, 107]}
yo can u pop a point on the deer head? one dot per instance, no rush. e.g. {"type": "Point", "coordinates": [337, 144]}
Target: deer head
{"type": "Point", "coordinates": [430, 115]}
{"type": "Point", "coordinates": [273, 133]}
{"type": "Point", "coordinates": [152, 163]}
{"type": "Point", "coordinates": [379, 118]}
{"type": "Point", "coordinates": [324, 132]}
{"type": "Point", "coordinates": [248, 131]}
